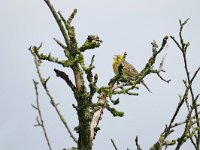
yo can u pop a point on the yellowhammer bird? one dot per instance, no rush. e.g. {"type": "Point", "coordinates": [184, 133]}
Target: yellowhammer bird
{"type": "Point", "coordinates": [128, 70]}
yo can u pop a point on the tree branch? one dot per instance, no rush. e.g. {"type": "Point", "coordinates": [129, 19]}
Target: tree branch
{"type": "Point", "coordinates": [65, 77]}
{"type": "Point", "coordinates": [183, 47]}
{"type": "Point", "coordinates": [188, 122]}
{"type": "Point", "coordinates": [49, 95]}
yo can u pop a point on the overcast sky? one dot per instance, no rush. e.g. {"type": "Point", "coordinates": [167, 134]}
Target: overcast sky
{"type": "Point", "coordinates": [128, 25]}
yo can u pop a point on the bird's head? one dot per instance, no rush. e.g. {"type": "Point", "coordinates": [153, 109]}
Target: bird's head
{"type": "Point", "coordinates": [118, 58]}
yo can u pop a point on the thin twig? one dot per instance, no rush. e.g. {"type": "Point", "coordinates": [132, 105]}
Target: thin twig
{"type": "Point", "coordinates": [113, 143]}
{"type": "Point", "coordinates": [160, 69]}
{"type": "Point", "coordinates": [40, 121]}
{"type": "Point", "coordinates": [137, 143]}
{"type": "Point", "coordinates": [59, 43]}
{"type": "Point", "coordinates": [58, 20]}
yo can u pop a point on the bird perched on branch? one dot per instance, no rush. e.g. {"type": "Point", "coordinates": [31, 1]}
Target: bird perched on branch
{"type": "Point", "coordinates": [128, 70]}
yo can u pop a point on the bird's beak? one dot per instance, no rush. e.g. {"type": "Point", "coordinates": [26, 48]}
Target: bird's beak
{"type": "Point", "coordinates": [115, 56]}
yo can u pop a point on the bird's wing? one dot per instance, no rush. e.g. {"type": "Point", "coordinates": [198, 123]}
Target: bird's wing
{"type": "Point", "coordinates": [129, 70]}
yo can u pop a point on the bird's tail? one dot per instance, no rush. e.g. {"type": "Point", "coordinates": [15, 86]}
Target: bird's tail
{"type": "Point", "coordinates": [146, 87]}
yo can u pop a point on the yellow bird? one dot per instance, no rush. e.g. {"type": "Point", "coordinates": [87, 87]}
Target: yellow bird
{"type": "Point", "coordinates": [128, 70]}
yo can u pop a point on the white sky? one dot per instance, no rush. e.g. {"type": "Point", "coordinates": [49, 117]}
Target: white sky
{"type": "Point", "coordinates": [127, 25]}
